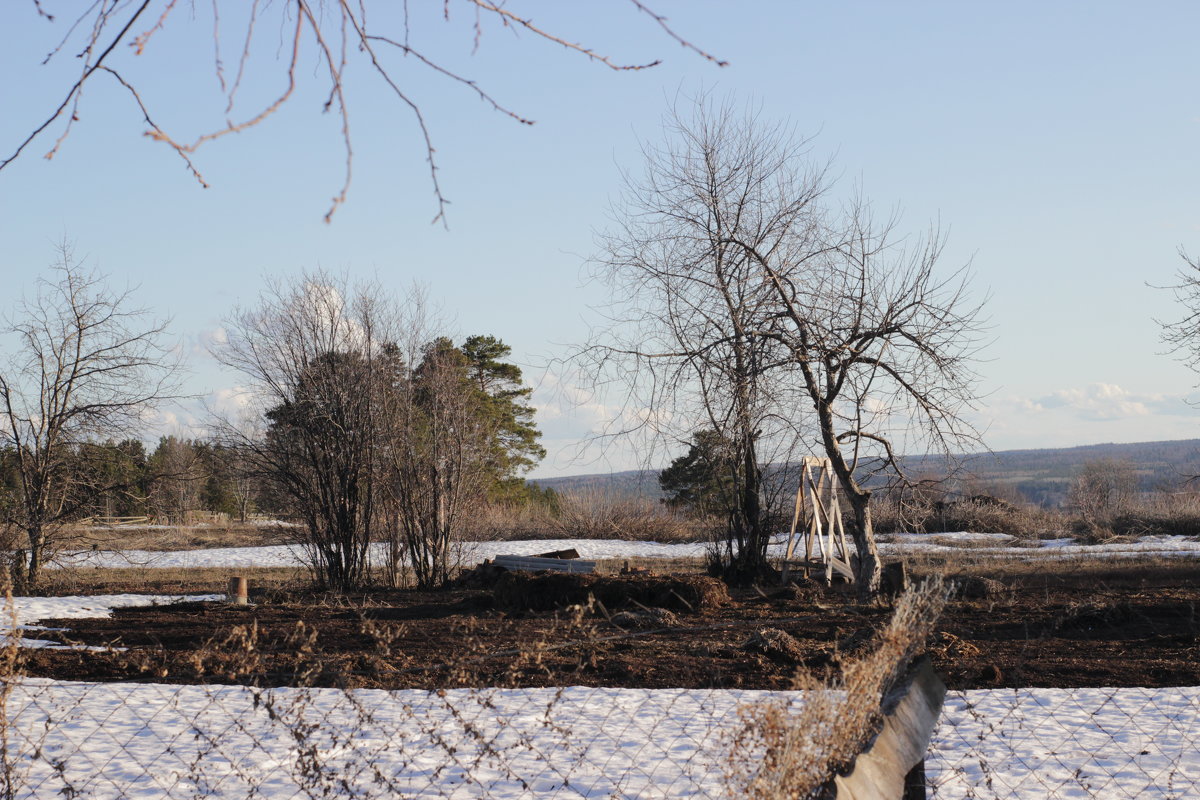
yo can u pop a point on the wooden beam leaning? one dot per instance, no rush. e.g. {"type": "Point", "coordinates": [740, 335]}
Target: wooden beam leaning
{"type": "Point", "coordinates": [911, 712]}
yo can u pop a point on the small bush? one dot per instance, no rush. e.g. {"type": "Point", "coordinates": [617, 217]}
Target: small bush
{"type": "Point", "coordinates": [978, 514]}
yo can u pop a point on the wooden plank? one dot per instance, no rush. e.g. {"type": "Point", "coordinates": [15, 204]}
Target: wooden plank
{"type": "Point", "coordinates": [841, 568]}
{"type": "Point", "coordinates": [570, 552]}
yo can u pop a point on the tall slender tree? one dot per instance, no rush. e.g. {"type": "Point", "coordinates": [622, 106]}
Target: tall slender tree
{"type": "Point", "coordinates": [505, 398]}
{"type": "Point", "coordinates": [87, 365]}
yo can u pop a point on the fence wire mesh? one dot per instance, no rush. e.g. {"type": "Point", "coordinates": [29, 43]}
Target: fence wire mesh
{"type": "Point", "coordinates": [1067, 680]}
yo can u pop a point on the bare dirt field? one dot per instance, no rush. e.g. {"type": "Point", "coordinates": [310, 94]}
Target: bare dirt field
{"type": "Point", "coordinates": [1098, 627]}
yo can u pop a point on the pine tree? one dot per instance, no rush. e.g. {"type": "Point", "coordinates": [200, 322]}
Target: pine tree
{"type": "Point", "coordinates": [701, 480]}
{"type": "Point", "coordinates": [515, 448]}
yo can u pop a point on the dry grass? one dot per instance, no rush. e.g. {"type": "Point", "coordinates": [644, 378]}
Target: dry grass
{"type": "Point", "coordinates": [1160, 514]}
{"type": "Point", "coordinates": [182, 537]}
{"type": "Point", "coordinates": [1021, 521]}
{"type": "Point", "coordinates": [782, 752]}
{"type": "Point", "coordinates": [166, 580]}
{"type": "Point", "coordinates": [602, 515]}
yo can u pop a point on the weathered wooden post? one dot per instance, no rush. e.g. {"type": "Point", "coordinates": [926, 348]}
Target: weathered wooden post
{"type": "Point", "coordinates": [892, 766]}
{"type": "Point", "coordinates": [239, 591]}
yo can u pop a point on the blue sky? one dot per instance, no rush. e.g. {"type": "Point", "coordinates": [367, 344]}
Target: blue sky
{"type": "Point", "coordinates": [1057, 144]}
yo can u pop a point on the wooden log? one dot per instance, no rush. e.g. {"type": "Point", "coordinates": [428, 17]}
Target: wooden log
{"type": "Point", "coordinates": [570, 552]}
{"type": "Point", "coordinates": [911, 711]}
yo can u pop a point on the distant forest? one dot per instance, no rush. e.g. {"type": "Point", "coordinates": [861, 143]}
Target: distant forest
{"type": "Point", "coordinates": [1040, 477]}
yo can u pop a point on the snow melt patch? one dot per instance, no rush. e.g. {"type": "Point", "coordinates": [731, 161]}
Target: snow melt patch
{"type": "Point", "coordinates": [28, 610]}
{"type": "Point", "coordinates": [31, 609]}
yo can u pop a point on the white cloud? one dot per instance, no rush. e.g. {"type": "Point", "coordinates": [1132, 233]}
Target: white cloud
{"type": "Point", "coordinates": [1098, 412]}
{"type": "Point", "coordinates": [1099, 401]}
{"type": "Point", "coordinates": [572, 420]}
{"type": "Point", "coordinates": [229, 401]}
{"type": "Point", "coordinates": [1106, 401]}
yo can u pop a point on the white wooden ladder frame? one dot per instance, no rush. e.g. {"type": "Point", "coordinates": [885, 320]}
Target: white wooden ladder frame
{"type": "Point", "coordinates": [817, 503]}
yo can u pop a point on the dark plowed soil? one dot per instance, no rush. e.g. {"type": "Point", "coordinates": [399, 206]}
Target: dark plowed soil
{"type": "Point", "coordinates": [1115, 628]}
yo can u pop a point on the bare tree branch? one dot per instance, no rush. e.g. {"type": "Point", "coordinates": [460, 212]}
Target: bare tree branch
{"type": "Point", "coordinates": [335, 36]}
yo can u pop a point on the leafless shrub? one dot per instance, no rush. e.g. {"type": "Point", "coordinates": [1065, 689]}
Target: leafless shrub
{"type": "Point", "coordinates": [968, 514]}
{"type": "Point", "coordinates": [779, 751]}
{"type": "Point", "coordinates": [596, 514]}
{"type": "Point", "coordinates": [1104, 489]}
{"type": "Point", "coordinates": [314, 354]}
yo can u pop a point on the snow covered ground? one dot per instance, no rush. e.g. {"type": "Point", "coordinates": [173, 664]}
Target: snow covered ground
{"type": "Point", "coordinates": [977, 544]}
{"type": "Point", "coordinates": [152, 741]}
{"type": "Point", "coordinates": [1067, 743]}
{"type": "Point", "coordinates": [149, 740]}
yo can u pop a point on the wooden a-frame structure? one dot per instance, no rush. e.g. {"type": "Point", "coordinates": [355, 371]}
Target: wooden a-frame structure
{"type": "Point", "coordinates": [817, 505]}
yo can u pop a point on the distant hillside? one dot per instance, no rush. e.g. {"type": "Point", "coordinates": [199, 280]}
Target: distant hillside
{"type": "Point", "coordinates": [1041, 476]}
{"type": "Point", "coordinates": [638, 482]}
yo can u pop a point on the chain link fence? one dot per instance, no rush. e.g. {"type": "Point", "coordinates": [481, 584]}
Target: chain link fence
{"type": "Point", "coordinates": [1026, 646]}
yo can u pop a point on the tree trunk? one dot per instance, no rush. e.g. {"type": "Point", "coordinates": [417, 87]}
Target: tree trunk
{"type": "Point", "coordinates": [37, 543]}
{"type": "Point", "coordinates": [869, 568]}
{"type": "Point", "coordinates": [749, 563]}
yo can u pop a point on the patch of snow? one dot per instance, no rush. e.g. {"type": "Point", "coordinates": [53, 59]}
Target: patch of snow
{"type": "Point", "coordinates": [185, 741]}
{"type": "Point", "coordinates": [1003, 546]}
{"type": "Point", "coordinates": [1038, 743]}
{"type": "Point", "coordinates": [230, 741]}
{"type": "Point", "coordinates": [955, 536]}
{"type": "Point", "coordinates": [26, 611]}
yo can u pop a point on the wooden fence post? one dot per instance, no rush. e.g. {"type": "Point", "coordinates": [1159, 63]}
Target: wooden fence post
{"type": "Point", "coordinates": [239, 591]}
{"type": "Point", "coordinates": [890, 767]}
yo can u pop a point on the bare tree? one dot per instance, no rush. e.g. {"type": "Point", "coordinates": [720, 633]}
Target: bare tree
{"type": "Point", "coordinates": [1104, 488]}
{"type": "Point", "coordinates": [440, 452]}
{"type": "Point", "coordinates": [757, 309]}
{"type": "Point", "coordinates": [315, 358]}
{"type": "Point", "coordinates": [689, 300]}
{"type": "Point", "coordinates": [883, 348]}
{"type": "Point", "coordinates": [177, 478]}
{"type": "Point", "coordinates": [86, 365]}
{"type": "Point", "coordinates": [339, 35]}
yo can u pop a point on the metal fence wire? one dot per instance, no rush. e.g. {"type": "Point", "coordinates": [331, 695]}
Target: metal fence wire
{"type": "Point", "coordinates": [1035, 730]}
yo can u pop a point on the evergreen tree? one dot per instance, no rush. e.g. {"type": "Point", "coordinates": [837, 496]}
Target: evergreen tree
{"type": "Point", "coordinates": [702, 479]}
{"type": "Point", "coordinates": [122, 469]}
{"type": "Point", "coordinates": [515, 448]}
